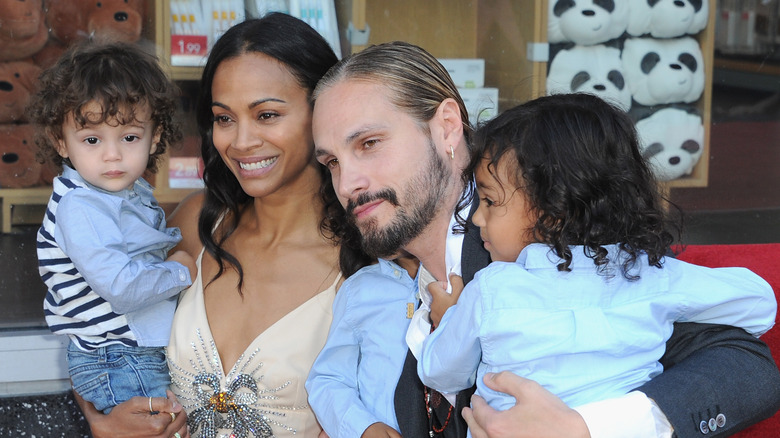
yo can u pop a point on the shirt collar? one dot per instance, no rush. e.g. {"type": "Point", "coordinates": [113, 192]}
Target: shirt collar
{"type": "Point", "coordinates": [140, 188]}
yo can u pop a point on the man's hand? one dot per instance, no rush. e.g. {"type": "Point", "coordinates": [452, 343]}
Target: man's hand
{"type": "Point", "coordinates": [380, 430]}
{"type": "Point", "coordinates": [537, 412]}
{"type": "Point", "coordinates": [441, 299]}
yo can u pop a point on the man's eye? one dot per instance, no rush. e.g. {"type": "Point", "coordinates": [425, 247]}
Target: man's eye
{"type": "Point", "coordinates": [332, 163]}
{"type": "Point", "coordinates": [368, 144]}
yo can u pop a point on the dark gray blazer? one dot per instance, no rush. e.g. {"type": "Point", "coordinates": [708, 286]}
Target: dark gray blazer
{"type": "Point", "coordinates": [714, 375]}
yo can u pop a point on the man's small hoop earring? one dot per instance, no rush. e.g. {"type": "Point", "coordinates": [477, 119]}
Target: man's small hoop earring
{"type": "Point", "coordinates": [452, 153]}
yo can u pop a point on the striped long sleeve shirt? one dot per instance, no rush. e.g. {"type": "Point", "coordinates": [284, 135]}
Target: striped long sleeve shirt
{"type": "Point", "coordinates": [102, 257]}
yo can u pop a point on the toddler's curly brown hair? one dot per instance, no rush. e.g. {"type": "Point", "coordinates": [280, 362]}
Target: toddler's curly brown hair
{"type": "Point", "coordinates": [119, 78]}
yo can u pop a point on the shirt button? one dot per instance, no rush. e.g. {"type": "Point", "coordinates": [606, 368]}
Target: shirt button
{"type": "Point", "coordinates": [704, 428]}
{"type": "Point", "coordinates": [182, 276]}
{"type": "Point", "coordinates": [720, 420]}
{"type": "Point", "coordinates": [396, 273]}
{"type": "Point", "coordinates": [713, 425]}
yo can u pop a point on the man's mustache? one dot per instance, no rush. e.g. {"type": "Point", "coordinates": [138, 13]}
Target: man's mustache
{"type": "Point", "coordinates": [364, 198]}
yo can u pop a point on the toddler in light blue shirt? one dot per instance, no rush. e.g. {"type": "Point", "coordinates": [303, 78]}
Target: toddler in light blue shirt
{"type": "Point", "coordinates": [580, 296]}
{"type": "Point", "coordinates": [104, 114]}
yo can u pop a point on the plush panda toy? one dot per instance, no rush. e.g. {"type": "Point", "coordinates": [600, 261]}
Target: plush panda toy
{"type": "Point", "coordinates": [672, 140]}
{"type": "Point", "coordinates": [594, 69]}
{"type": "Point", "coordinates": [586, 22]}
{"type": "Point", "coordinates": [667, 18]}
{"type": "Point", "coordinates": [663, 71]}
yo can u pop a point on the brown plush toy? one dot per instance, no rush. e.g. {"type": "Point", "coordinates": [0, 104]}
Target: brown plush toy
{"type": "Point", "coordinates": [18, 165]}
{"type": "Point", "coordinates": [49, 54]}
{"type": "Point", "coordinates": [17, 82]}
{"type": "Point", "coordinates": [23, 30]}
{"type": "Point", "coordinates": [72, 20]}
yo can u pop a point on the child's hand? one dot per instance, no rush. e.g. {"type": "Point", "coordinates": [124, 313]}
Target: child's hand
{"type": "Point", "coordinates": [441, 299]}
{"type": "Point", "coordinates": [380, 430]}
{"type": "Point", "coordinates": [185, 259]}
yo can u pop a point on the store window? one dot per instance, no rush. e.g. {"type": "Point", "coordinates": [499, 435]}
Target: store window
{"type": "Point", "coordinates": [502, 53]}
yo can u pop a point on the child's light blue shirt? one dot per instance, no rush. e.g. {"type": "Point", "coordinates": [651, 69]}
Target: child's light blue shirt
{"type": "Point", "coordinates": [352, 383]}
{"type": "Point", "coordinates": [102, 256]}
{"type": "Point", "coordinates": [583, 336]}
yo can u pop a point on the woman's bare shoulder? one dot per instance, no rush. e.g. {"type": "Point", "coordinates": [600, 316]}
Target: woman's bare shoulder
{"type": "Point", "coordinates": [185, 217]}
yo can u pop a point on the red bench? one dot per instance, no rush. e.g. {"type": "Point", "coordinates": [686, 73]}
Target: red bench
{"type": "Point", "coordinates": [764, 260]}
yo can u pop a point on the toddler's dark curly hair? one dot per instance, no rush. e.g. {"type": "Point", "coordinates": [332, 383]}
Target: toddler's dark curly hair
{"type": "Point", "coordinates": [577, 159]}
{"type": "Point", "coordinates": [120, 78]}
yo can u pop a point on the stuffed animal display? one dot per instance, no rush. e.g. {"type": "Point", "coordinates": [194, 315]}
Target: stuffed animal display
{"type": "Point", "coordinates": [71, 20]}
{"type": "Point", "coordinates": [667, 18]}
{"type": "Point", "coordinates": [593, 69]}
{"type": "Point", "coordinates": [664, 71]}
{"type": "Point", "coordinates": [673, 141]}
{"type": "Point", "coordinates": [18, 165]}
{"type": "Point", "coordinates": [22, 29]}
{"type": "Point", "coordinates": [33, 34]}
{"type": "Point", "coordinates": [17, 82]}
{"type": "Point", "coordinates": [586, 22]}
{"type": "Point", "coordinates": [640, 56]}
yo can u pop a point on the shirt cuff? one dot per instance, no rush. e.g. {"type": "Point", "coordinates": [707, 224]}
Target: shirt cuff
{"type": "Point", "coordinates": [633, 414]}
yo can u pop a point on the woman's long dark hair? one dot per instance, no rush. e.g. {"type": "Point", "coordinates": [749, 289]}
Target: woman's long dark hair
{"type": "Point", "coordinates": [307, 56]}
{"type": "Point", "coordinates": [577, 159]}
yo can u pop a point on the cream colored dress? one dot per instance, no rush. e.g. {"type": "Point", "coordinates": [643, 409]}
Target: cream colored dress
{"type": "Point", "coordinates": [263, 395]}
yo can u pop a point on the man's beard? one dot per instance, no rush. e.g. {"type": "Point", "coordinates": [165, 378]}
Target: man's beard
{"type": "Point", "coordinates": [423, 195]}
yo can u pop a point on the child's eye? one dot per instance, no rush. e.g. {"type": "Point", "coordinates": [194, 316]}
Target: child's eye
{"type": "Point", "coordinates": [131, 138]}
{"type": "Point", "coordinates": [91, 140]}
{"type": "Point", "coordinates": [488, 202]}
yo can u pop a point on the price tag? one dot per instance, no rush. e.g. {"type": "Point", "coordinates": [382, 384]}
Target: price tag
{"type": "Point", "coordinates": [189, 45]}
{"type": "Point", "coordinates": [184, 172]}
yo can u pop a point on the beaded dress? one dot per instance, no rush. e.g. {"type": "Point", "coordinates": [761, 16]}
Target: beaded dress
{"type": "Point", "coordinates": [263, 395]}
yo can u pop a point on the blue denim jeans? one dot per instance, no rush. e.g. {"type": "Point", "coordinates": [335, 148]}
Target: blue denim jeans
{"type": "Point", "coordinates": [115, 373]}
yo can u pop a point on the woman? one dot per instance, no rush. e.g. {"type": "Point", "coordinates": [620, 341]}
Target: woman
{"type": "Point", "coordinates": [266, 231]}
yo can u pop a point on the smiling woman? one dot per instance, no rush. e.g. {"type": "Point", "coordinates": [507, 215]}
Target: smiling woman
{"type": "Point", "coordinates": [266, 233]}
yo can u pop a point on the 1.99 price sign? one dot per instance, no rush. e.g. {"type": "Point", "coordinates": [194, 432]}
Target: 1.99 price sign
{"type": "Point", "coordinates": [189, 45]}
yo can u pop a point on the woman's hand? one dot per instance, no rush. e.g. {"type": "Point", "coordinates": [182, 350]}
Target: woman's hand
{"type": "Point", "coordinates": [537, 413]}
{"type": "Point", "coordinates": [132, 418]}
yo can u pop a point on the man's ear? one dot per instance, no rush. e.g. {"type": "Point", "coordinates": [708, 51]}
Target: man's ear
{"type": "Point", "coordinates": [449, 124]}
{"type": "Point", "coordinates": [449, 111]}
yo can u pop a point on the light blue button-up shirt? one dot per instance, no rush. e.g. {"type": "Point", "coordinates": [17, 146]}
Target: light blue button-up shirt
{"type": "Point", "coordinates": [102, 256]}
{"type": "Point", "coordinates": [352, 383]}
{"type": "Point", "coordinates": [583, 336]}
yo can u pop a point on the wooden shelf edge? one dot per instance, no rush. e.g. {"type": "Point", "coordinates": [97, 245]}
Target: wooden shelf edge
{"type": "Point", "coordinates": [29, 193]}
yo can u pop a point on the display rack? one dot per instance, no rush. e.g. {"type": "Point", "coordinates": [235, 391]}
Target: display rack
{"type": "Point", "coordinates": [506, 33]}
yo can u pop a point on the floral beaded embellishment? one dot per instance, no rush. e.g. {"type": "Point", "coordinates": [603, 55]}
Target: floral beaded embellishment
{"type": "Point", "coordinates": [242, 406]}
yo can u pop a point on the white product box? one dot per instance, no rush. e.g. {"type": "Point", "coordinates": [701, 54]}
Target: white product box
{"type": "Point", "coordinates": [466, 73]}
{"type": "Point", "coordinates": [481, 103]}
